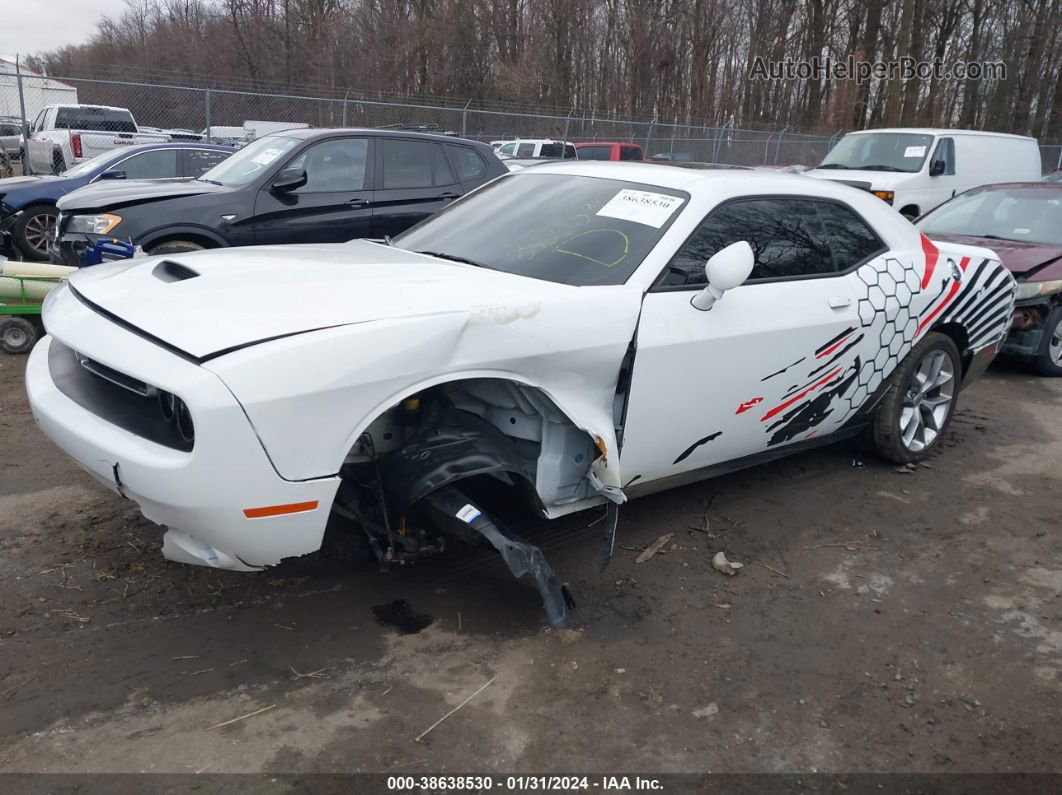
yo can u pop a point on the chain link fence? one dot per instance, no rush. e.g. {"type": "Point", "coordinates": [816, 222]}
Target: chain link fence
{"type": "Point", "coordinates": [238, 116]}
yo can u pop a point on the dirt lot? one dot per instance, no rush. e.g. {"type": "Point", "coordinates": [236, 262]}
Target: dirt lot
{"type": "Point", "coordinates": [883, 622]}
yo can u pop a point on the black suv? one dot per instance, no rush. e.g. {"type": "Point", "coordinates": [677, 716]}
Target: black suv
{"type": "Point", "coordinates": [296, 186]}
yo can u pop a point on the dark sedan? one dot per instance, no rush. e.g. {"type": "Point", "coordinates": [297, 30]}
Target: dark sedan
{"type": "Point", "coordinates": [297, 186]}
{"type": "Point", "coordinates": [1022, 222]}
{"type": "Point", "coordinates": [28, 204]}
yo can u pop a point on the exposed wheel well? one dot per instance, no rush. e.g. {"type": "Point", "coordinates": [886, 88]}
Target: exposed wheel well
{"type": "Point", "coordinates": [191, 237]}
{"type": "Point", "coordinates": [910, 211]}
{"type": "Point", "coordinates": [958, 335]}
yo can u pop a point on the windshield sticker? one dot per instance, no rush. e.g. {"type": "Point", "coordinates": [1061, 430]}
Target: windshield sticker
{"type": "Point", "coordinates": [914, 151]}
{"type": "Point", "coordinates": [641, 207]}
{"type": "Point", "coordinates": [266, 156]}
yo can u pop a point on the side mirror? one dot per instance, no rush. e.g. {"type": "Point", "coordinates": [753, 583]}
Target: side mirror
{"type": "Point", "coordinates": [288, 180]}
{"type": "Point", "coordinates": [112, 175]}
{"type": "Point", "coordinates": [936, 168]}
{"type": "Point", "coordinates": [726, 269]}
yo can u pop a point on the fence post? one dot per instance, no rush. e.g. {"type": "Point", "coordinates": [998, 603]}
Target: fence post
{"type": "Point", "coordinates": [567, 122]}
{"type": "Point", "coordinates": [1058, 167]}
{"type": "Point", "coordinates": [649, 135]}
{"type": "Point", "coordinates": [210, 132]}
{"type": "Point", "coordinates": [27, 168]}
{"type": "Point", "coordinates": [778, 146]}
{"type": "Point", "coordinates": [345, 96]}
{"type": "Point", "coordinates": [464, 120]}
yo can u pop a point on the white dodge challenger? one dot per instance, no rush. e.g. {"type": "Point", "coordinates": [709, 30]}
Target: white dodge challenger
{"type": "Point", "coordinates": [569, 335]}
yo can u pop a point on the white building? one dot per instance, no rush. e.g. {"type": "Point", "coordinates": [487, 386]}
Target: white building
{"type": "Point", "coordinates": [38, 90]}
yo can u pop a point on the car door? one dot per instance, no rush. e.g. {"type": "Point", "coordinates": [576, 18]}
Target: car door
{"type": "Point", "coordinates": [773, 361]}
{"type": "Point", "coordinates": [335, 204]}
{"type": "Point", "coordinates": [416, 181]}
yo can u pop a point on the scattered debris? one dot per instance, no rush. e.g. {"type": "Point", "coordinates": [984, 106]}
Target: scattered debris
{"type": "Point", "coordinates": [969, 704]}
{"type": "Point", "coordinates": [653, 548]}
{"type": "Point", "coordinates": [282, 626]}
{"type": "Point", "coordinates": [707, 712]}
{"type": "Point", "coordinates": [858, 464]}
{"type": "Point", "coordinates": [727, 567]}
{"type": "Point", "coordinates": [318, 674]}
{"type": "Point", "coordinates": [400, 615]}
{"type": "Point", "coordinates": [424, 733]}
{"type": "Point", "coordinates": [905, 469]}
{"type": "Point", "coordinates": [242, 717]}
{"type": "Point", "coordinates": [770, 568]}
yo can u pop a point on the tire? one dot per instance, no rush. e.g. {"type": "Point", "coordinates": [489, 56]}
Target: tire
{"type": "Point", "coordinates": [17, 335]}
{"type": "Point", "coordinates": [33, 230]}
{"type": "Point", "coordinates": [175, 247]}
{"type": "Point", "coordinates": [911, 420]}
{"type": "Point", "coordinates": [1049, 359]}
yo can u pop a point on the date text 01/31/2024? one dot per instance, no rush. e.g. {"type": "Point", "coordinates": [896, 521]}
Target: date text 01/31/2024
{"type": "Point", "coordinates": [422, 784]}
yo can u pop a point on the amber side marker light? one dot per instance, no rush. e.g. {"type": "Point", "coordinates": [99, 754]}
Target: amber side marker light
{"type": "Point", "coordinates": [885, 195]}
{"type": "Point", "coordinates": [280, 510]}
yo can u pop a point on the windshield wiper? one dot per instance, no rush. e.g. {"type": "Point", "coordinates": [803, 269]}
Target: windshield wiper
{"type": "Point", "coordinates": [999, 237]}
{"type": "Point", "coordinates": [454, 258]}
{"type": "Point", "coordinates": [833, 165]}
{"type": "Point", "coordinates": [879, 168]}
{"type": "Point", "coordinates": [211, 181]}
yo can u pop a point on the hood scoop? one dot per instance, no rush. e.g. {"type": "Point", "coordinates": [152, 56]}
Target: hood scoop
{"type": "Point", "coordinates": [169, 271]}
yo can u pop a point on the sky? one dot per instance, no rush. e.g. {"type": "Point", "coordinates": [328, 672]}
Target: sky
{"type": "Point", "coordinates": [33, 26]}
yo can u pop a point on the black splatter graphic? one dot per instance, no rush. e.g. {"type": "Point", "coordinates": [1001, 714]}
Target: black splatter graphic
{"type": "Point", "coordinates": [787, 367]}
{"type": "Point", "coordinates": [686, 453]}
{"type": "Point", "coordinates": [806, 416]}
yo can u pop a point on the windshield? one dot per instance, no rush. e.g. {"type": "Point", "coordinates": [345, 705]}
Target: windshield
{"type": "Point", "coordinates": [1028, 215]}
{"type": "Point", "coordinates": [880, 152]}
{"type": "Point", "coordinates": [93, 163]}
{"type": "Point", "coordinates": [246, 165]}
{"type": "Point", "coordinates": [558, 227]}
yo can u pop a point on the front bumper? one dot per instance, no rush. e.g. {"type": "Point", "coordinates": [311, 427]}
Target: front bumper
{"type": "Point", "coordinates": [70, 248]}
{"type": "Point", "coordinates": [199, 495]}
{"type": "Point", "coordinates": [1026, 335]}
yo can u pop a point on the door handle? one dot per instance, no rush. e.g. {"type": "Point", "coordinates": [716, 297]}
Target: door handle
{"type": "Point", "coordinates": [358, 203]}
{"type": "Point", "coordinates": [839, 302]}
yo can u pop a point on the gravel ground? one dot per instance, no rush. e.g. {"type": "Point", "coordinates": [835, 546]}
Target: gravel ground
{"type": "Point", "coordinates": [884, 621]}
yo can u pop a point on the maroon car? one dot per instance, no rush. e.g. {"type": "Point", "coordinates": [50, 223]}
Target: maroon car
{"type": "Point", "coordinates": [1022, 222]}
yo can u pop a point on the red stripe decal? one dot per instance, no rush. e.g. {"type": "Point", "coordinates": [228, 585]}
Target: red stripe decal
{"type": "Point", "coordinates": [932, 254]}
{"type": "Point", "coordinates": [834, 347]}
{"type": "Point", "coordinates": [800, 395]}
{"type": "Point", "coordinates": [947, 298]}
{"type": "Point", "coordinates": [748, 404]}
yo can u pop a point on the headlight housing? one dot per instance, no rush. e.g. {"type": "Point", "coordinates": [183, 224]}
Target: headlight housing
{"type": "Point", "coordinates": [93, 224]}
{"type": "Point", "coordinates": [1027, 290]}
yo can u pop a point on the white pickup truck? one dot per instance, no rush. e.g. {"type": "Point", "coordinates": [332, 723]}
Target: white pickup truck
{"type": "Point", "coordinates": [64, 135]}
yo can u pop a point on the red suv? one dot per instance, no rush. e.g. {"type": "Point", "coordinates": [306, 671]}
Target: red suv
{"type": "Point", "coordinates": [608, 150]}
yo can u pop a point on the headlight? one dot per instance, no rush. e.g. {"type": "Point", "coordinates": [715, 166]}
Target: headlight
{"type": "Point", "coordinates": [1028, 290]}
{"type": "Point", "coordinates": [93, 224]}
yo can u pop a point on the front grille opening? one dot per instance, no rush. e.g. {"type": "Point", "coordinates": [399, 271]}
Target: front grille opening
{"type": "Point", "coordinates": [122, 400]}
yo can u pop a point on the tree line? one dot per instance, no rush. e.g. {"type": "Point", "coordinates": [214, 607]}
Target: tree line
{"type": "Point", "coordinates": [680, 61]}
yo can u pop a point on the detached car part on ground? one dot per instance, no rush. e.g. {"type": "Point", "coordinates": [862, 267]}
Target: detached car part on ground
{"type": "Point", "coordinates": [543, 339]}
{"type": "Point", "coordinates": [1022, 222]}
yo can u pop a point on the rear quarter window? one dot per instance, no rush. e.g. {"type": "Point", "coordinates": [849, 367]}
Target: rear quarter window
{"type": "Point", "coordinates": [468, 163]}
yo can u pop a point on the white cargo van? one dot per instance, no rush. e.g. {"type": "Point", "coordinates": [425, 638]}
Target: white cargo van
{"type": "Point", "coordinates": [914, 170]}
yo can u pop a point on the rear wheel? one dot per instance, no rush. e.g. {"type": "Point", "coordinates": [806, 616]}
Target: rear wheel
{"type": "Point", "coordinates": [34, 229]}
{"type": "Point", "coordinates": [17, 335]}
{"type": "Point", "coordinates": [1049, 360]}
{"type": "Point", "coordinates": [175, 247]}
{"type": "Point", "coordinates": [919, 402]}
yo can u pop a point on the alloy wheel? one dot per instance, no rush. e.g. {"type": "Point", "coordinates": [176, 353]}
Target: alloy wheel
{"type": "Point", "coordinates": [39, 230]}
{"type": "Point", "coordinates": [927, 401]}
{"type": "Point", "coordinates": [1054, 345]}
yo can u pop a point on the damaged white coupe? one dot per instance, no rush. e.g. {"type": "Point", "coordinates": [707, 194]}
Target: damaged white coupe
{"type": "Point", "coordinates": [568, 336]}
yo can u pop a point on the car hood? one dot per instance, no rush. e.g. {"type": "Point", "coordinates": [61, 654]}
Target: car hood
{"type": "Point", "coordinates": [1022, 259]}
{"type": "Point", "coordinates": [873, 180]}
{"type": "Point", "coordinates": [211, 302]}
{"type": "Point", "coordinates": [112, 193]}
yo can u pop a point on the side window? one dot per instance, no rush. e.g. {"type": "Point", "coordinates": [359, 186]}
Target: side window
{"type": "Point", "coordinates": [38, 123]}
{"type": "Point", "coordinates": [159, 164]}
{"type": "Point", "coordinates": [333, 166]}
{"type": "Point", "coordinates": [525, 150]}
{"type": "Point", "coordinates": [945, 151]}
{"type": "Point", "coordinates": [441, 170]}
{"type": "Point", "coordinates": [569, 151]}
{"type": "Point", "coordinates": [200, 161]}
{"type": "Point", "coordinates": [630, 153]}
{"type": "Point", "coordinates": [470, 166]}
{"type": "Point", "coordinates": [786, 236]}
{"type": "Point", "coordinates": [406, 164]}
{"type": "Point", "coordinates": [850, 239]}
{"type": "Point", "coordinates": [508, 149]}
